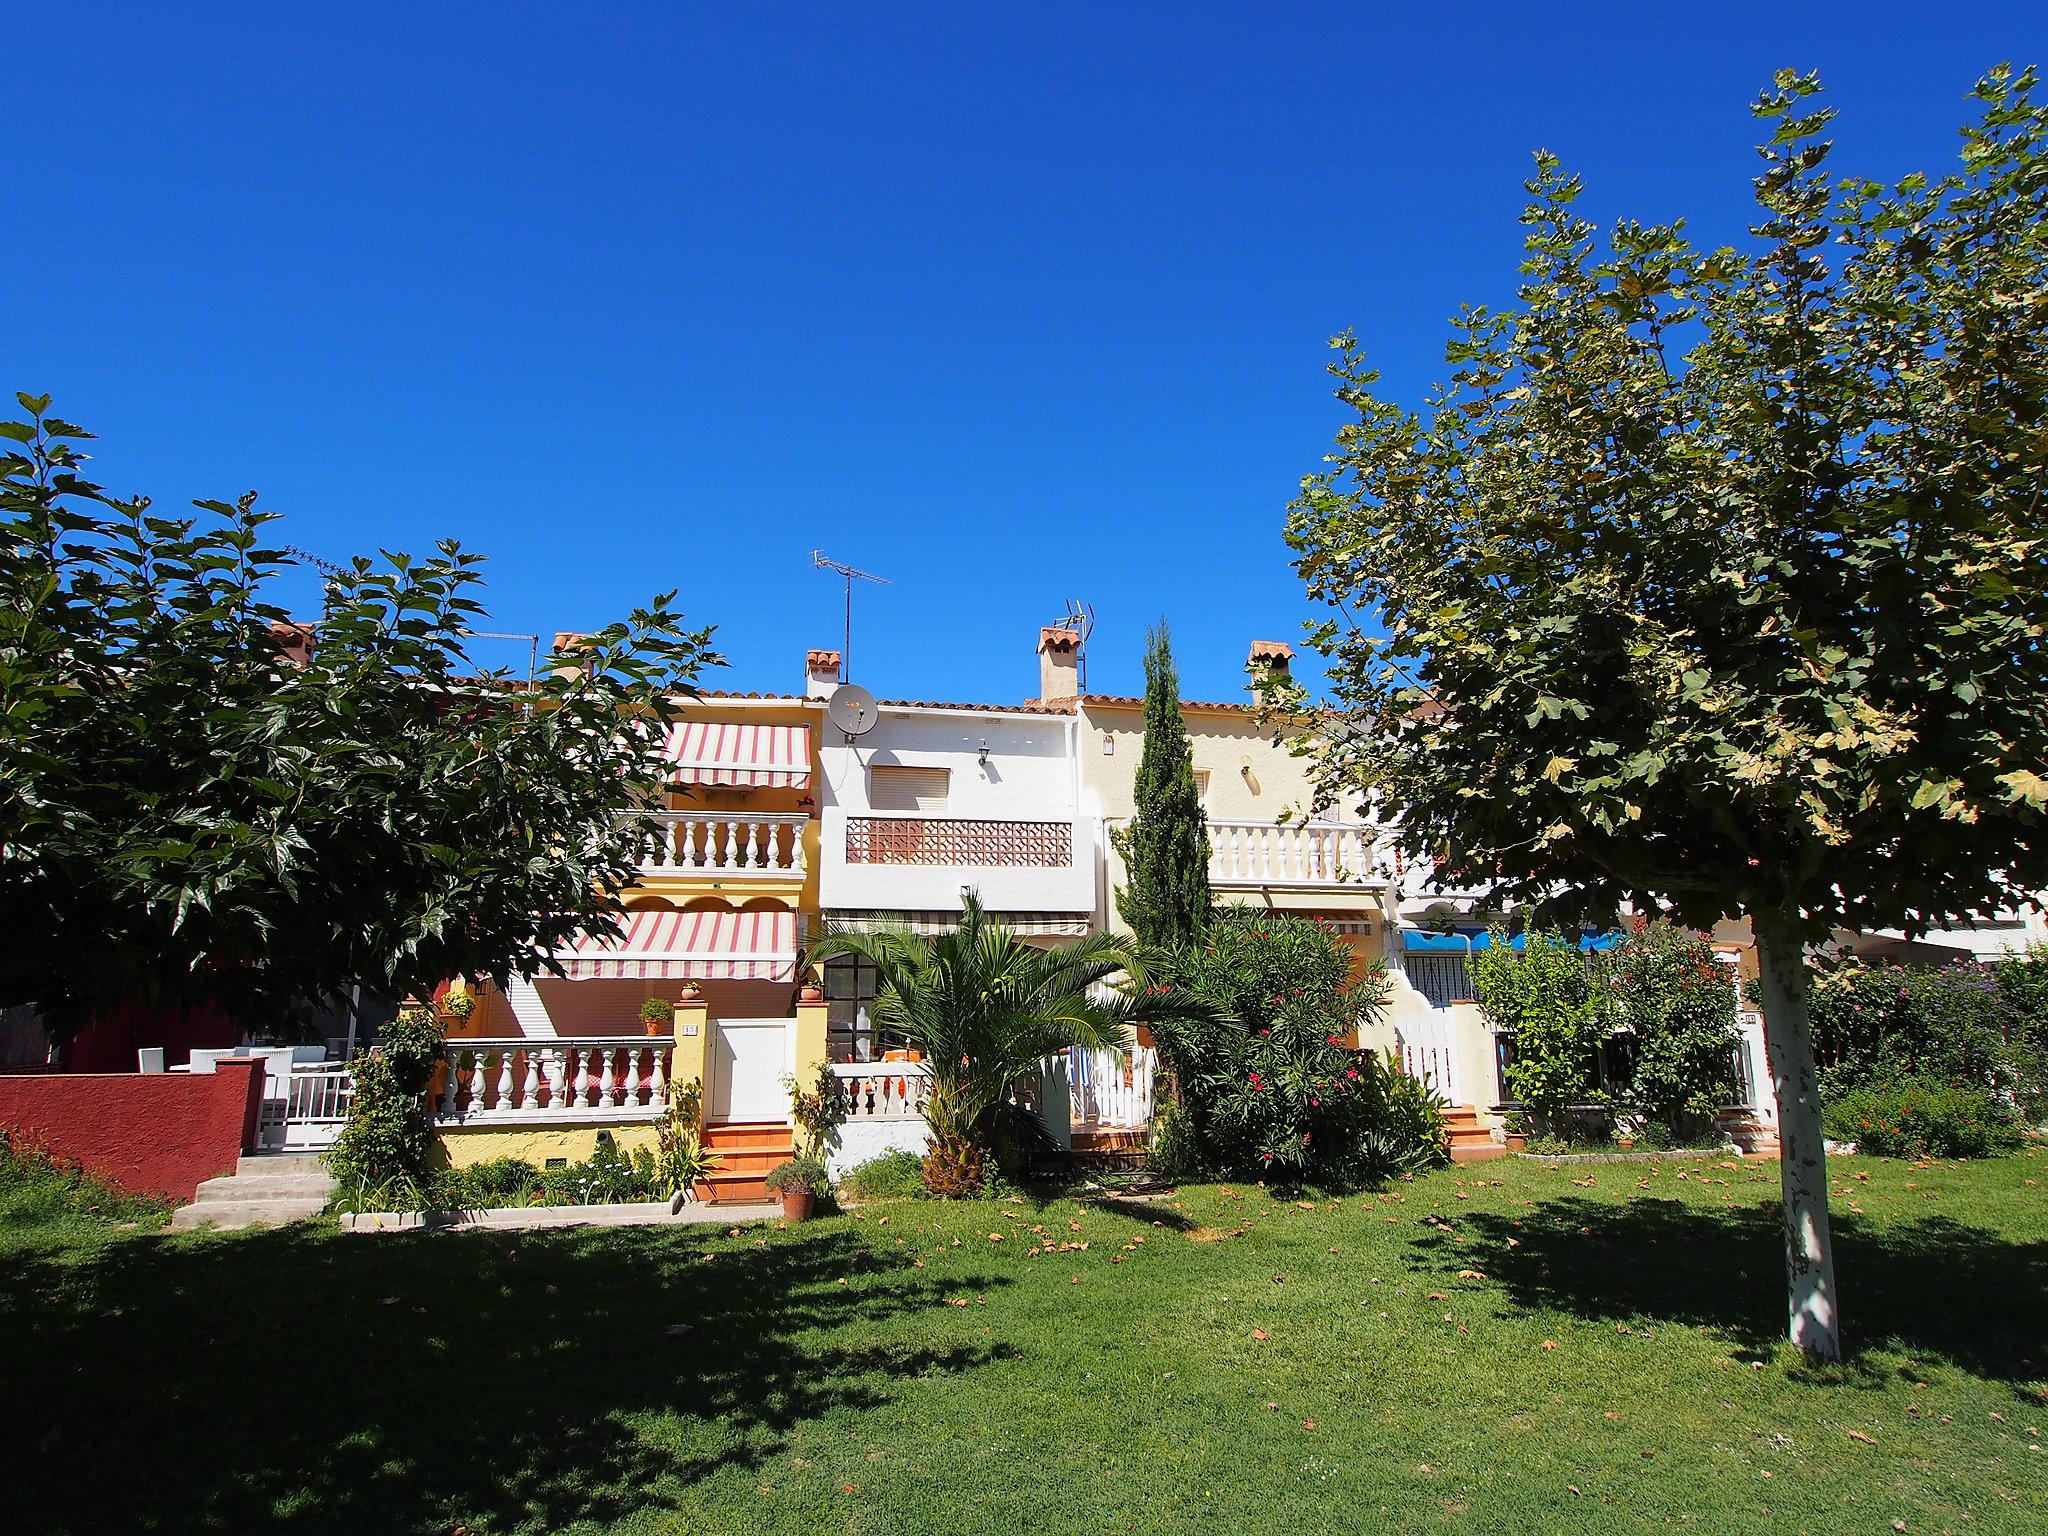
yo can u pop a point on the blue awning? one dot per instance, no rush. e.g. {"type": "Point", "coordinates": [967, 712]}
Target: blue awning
{"type": "Point", "coordinates": [1416, 941]}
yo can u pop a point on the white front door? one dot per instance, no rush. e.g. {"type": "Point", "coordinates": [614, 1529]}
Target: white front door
{"type": "Point", "coordinates": [748, 1060]}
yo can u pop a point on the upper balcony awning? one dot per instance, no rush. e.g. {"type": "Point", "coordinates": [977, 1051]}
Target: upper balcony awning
{"type": "Point", "coordinates": [743, 756]}
{"type": "Point", "coordinates": [665, 945]}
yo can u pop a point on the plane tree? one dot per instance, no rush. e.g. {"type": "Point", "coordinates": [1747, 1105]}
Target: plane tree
{"type": "Point", "coordinates": [1715, 580]}
{"type": "Point", "coordinates": [205, 805]}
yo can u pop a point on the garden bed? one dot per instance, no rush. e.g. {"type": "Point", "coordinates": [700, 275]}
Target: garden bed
{"type": "Point", "coordinates": [511, 1218]}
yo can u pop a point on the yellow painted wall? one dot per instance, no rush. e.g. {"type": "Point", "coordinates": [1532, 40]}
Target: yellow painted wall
{"type": "Point", "coordinates": [464, 1145]}
{"type": "Point", "coordinates": [1222, 741]}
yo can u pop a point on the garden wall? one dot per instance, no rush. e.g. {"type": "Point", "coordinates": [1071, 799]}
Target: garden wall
{"type": "Point", "coordinates": [158, 1133]}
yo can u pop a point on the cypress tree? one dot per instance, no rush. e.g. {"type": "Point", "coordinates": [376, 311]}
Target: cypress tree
{"type": "Point", "coordinates": [1166, 847]}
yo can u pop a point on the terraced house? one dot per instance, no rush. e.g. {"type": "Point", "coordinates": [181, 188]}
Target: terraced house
{"type": "Point", "coordinates": [778, 821]}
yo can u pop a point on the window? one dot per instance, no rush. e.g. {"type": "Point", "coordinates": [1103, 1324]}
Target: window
{"type": "Point", "coordinates": [850, 1032]}
{"type": "Point", "coordinates": [918, 790]}
{"type": "Point", "coordinates": [1202, 785]}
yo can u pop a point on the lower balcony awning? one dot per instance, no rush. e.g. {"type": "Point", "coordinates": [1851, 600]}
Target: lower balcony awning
{"type": "Point", "coordinates": [717, 945]}
{"type": "Point", "coordinates": [1058, 925]}
{"type": "Point", "coordinates": [743, 756]}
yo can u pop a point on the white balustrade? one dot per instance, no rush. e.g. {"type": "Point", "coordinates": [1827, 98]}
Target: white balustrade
{"type": "Point", "coordinates": [1308, 853]}
{"type": "Point", "coordinates": [882, 1090]}
{"type": "Point", "coordinates": [1108, 1089]}
{"type": "Point", "coordinates": [561, 1079]}
{"type": "Point", "coordinates": [730, 845]}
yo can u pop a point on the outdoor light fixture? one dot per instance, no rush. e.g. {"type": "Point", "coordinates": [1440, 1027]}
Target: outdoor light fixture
{"type": "Point", "coordinates": [983, 760]}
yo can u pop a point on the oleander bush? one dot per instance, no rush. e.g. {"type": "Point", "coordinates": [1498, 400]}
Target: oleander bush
{"type": "Point", "coordinates": [1910, 1117]}
{"type": "Point", "coordinates": [1971, 1025]}
{"type": "Point", "coordinates": [1269, 1084]}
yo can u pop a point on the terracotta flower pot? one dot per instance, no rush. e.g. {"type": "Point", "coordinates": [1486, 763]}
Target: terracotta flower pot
{"type": "Point", "coordinates": [797, 1204]}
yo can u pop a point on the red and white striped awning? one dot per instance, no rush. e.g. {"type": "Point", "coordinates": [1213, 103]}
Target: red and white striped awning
{"type": "Point", "coordinates": [664, 945]}
{"type": "Point", "coordinates": [747, 756]}
{"type": "Point", "coordinates": [1042, 925]}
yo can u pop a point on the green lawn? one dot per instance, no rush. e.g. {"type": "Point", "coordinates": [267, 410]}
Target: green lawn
{"type": "Point", "coordinates": [1224, 1362]}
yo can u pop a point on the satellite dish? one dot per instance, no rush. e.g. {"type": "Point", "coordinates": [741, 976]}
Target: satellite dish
{"type": "Point", "coordinates": [852, 709]}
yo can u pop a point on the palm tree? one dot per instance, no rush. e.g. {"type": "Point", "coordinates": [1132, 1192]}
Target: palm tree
{"type": "Point", "coordinates": [985, 1009]}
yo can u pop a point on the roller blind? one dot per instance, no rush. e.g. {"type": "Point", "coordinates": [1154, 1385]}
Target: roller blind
{"type": "Point", "coordinates": [920, 790]}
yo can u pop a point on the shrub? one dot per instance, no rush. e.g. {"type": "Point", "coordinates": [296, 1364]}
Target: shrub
{"type": "Point", "coordinates": [1877, 1024]}
{"type": "Point", "coordinates": [1266, 1084]}
{"type": "Point", "coordinates": [1913, 1118]}
{"type": "Point", "coordinates": [379, 1157]}
{"type": "Point", "coordinates": [2023, 994]}
{"type": "Point", "coordinates": [1677, 1002]}
{"type": "Point", "coordinates": [1541, 996]}
{"type": "Point", "coordinates": [500, 1181]}
{"type": "Point", "coordinates": [799, 1175]}
{"type": "Point", "coordinates": [891, 1176]}
{"type": "Point", "coordinates": [818, 1110]}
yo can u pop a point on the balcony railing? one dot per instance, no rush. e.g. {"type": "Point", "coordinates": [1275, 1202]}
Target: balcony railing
{"type": "Point", "coordinates": [882, 1090]}
{"type": "Point", "coordinates": [1310, 854]}
{"type": "Point", "coordinates": [567, 1078]}
{"type": "Point", "coordinates": [937, 840]}
{"type": "Point", "coordinates": [730, 846]}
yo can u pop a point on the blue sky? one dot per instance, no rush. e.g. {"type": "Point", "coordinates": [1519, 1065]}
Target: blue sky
{"type": "Point", "coordinates": [1008, 304]}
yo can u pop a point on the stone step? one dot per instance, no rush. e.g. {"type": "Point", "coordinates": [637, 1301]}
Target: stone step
{"type": "Point", "coordinates": [1468, 1153]}
{"type": "Point", "coordinates": [266, 1186]}
{"type": "Point", "coordinates": [737, 1134]}
{"type": "Point", "coordinates": [230, 1214]}
{"type": "Point", "coordinates": [737, 1188]}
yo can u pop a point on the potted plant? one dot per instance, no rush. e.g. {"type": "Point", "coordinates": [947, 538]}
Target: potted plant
{"type": "Point", "coordinates": [800, 1183]}
{"type": "Point", "coordinates": [658, 1016]}
{"type": "Point", "coordinates": [456, 1008]}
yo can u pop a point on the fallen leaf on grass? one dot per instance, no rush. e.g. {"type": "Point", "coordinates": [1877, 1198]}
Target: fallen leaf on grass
{"type": "Point", "coordinates": [1857, 1434]}
{"type": "Point", "coordinates": [1550, 1343]}
{"type": "Point", "coordinates": [1260, 1333]}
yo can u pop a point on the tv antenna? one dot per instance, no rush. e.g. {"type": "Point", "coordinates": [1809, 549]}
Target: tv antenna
{"type": "Point", "coordinates": [849, 573]}
{"type": "Point", "coordinates": [1079, 617]}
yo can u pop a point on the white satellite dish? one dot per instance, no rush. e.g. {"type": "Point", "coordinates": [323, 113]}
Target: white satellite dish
{"type": "Point", "coordinates": [852, 709]}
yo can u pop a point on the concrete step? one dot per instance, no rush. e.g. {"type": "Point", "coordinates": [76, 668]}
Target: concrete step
{"type": "Point", "coordinates": [229, 1214]}
{"type": "Point", "coordinates": [1492, 1151]}
{"type": "Point", "coordinates": [265, 1186]}
{"type": "Point", "coordinates": [281, 1162]}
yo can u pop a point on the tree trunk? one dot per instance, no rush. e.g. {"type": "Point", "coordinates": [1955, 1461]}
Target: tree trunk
{"type": "Point", "coordinates": [1815, 1324]}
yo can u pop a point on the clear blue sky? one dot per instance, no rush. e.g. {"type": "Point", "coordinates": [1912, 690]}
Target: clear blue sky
{"type": "Point", "coordinates": [1008, 304]}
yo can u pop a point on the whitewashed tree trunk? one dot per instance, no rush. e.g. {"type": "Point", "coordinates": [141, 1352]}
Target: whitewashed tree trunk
{"type": "Point", "coordinates": [1788, 1048]}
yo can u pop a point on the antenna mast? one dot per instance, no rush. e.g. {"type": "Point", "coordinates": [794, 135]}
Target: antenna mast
{"type": "Point", "coordinates": [849, 573]}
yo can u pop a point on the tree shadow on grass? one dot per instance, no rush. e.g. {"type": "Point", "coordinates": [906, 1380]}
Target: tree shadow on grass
{"type": "Point", "coordinates": [1926, 1287]}
{"type": "Point", "coordinates": [313, 1381]}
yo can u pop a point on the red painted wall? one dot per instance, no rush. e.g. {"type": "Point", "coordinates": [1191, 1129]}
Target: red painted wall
{"type": "Point", "coordinates": [155, 1134]}
{"type": "Point", "coordinates": [109, 1044]}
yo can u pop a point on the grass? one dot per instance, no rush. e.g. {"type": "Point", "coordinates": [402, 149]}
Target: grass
{"type": "Point", "coordinates": [1223, 1362]}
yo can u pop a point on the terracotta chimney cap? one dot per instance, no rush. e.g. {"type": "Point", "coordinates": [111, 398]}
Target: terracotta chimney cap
{"type": "Point", "coordinates": [1272, 650]}
{"type": "Point", "coordinates": [565, 638]}
{"type": "Point", "coordinates": [1055, 638]}
{"type": "Point", "coordinates": [821, 661]}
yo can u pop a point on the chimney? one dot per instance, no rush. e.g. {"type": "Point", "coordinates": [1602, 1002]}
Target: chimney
{"type": "Point", "coordinates": [1269, 659]}
{"type": "Point", "coordinates": [567, 639]}
{"type": "Point", "coordinates": [294, 641]}
{"type": "Point", "coordinates": [1059, 664]}
{"type": "Point", "coordinates": [821, 674]}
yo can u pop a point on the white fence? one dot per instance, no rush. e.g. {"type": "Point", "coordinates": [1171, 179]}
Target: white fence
{"type": "Point", "coordinates": [1112, 1090]}
{"type": "Point", "coordinates": [316, 1102]}
{"type": "Point", "coordinates": [568, 1078]}
{"type": "Point", "coordinates": [1428, 1053]}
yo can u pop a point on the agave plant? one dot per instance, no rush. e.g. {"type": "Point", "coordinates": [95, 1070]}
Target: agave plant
{"type": "Point", "coordinates": [985, 1009]}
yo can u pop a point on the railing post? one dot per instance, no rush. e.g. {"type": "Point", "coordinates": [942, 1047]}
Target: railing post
{"type": "Point", "coordinates": [693, 1028]}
